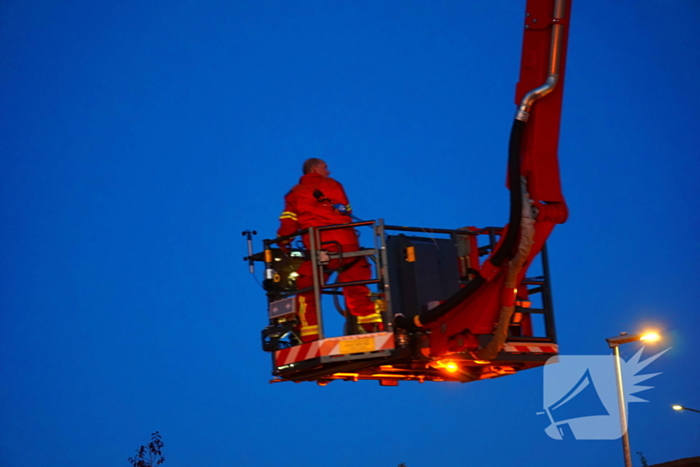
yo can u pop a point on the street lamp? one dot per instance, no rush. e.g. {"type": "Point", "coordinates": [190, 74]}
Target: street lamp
{"type": "Point", "coordinates": [680, 407]}
{"type": "Point", "coordinates": [614, 343]}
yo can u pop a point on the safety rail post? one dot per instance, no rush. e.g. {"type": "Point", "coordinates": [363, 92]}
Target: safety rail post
{"type": "Point", "coordinates": [387, 317]}
{"type": "Point", "coordinates": [316, 280]}
{"type": "Point", "coordinates": [492, 238]}
{"type": "Point", "coordinates": [377, 251]}
{"type": "Point", "coordinates": [547, 301]}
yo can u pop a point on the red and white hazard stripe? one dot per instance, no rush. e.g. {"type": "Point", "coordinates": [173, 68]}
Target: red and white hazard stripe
{"type": "Point", "coordinates": [297, 353]}
{"type": "Point", "coordinates": [530, 347]}
{"type": "Point", "coordinates": [335, 346]}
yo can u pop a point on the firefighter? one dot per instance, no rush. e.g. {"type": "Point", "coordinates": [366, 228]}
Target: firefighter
{"type": "Point", "coordinates": [318, 200]}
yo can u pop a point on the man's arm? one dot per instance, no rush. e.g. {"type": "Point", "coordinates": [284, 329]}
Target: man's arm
{"type": "Point", "coordinates": [345, 201]}
{"type": "Point", "coordinates": [289, 222]}
{"type": "Point", "coordinates": [338, 198]}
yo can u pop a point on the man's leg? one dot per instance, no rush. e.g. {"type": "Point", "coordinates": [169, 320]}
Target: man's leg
{"type": "Point", "coordinates": [357, 297]}
{"type": "Point", "coordinates": [306, 305]}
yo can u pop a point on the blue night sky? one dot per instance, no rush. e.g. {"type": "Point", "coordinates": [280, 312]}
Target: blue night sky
{"type": "Point", "coordinates": [139, 138]}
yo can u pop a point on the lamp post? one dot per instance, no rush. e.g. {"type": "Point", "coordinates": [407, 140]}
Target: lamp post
{"type": "Point", "coordinates": [614, 343]}
{"type": "Point", "coordinates": [680, 407]}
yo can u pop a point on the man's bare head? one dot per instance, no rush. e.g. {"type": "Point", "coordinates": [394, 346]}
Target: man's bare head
{"type": "Point", "coordinates": [317, 166]}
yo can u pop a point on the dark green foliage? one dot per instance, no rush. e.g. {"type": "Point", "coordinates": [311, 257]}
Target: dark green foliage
{"type": "Point", "coordinates": [151, 455]}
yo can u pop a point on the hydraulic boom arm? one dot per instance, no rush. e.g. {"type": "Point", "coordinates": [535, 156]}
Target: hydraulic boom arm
{"type": "Point", "coordinates": [537, 203]}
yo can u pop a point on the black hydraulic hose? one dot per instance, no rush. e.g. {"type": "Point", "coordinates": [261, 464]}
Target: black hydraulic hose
{"type": "Point", "coordinates": [442, 309]}
{"type": "Point", "coordinates": [508, 247]}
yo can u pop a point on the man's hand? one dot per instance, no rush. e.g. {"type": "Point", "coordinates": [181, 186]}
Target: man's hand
{"type": "Point", "coordinates": [285, 247]}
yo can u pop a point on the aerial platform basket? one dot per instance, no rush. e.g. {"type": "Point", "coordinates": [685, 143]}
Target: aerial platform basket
{"type": "Point", "coordinates": [414, 271]}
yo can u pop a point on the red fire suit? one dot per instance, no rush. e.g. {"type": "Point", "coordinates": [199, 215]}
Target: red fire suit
{"type": "Point", "coordinates": [315, 202]}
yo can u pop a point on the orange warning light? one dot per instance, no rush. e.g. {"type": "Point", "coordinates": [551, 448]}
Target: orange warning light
{"type": "Point", "coordinates": [449, 366]}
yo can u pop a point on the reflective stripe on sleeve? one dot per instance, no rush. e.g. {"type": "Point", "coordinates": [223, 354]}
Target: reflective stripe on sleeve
{"type": "Point", "coordinates": [288, 215]}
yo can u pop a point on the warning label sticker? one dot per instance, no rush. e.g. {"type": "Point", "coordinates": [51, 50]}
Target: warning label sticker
{"type": "Point", "coordinates": [366, 344]}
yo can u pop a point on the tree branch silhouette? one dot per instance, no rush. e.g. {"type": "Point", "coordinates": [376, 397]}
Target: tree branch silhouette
{"type": "Point", "coordinates": [151, 455]}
